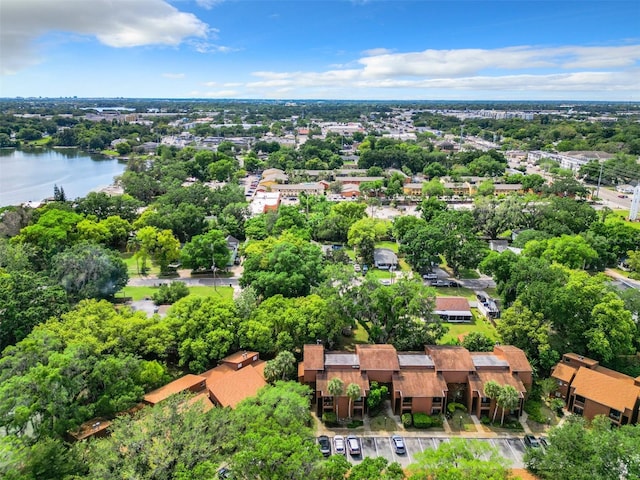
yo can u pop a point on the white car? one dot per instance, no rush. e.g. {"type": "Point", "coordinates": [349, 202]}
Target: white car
{"type": "Point", "coordinates": [339, 445]}
{"type": "Point", "coordinates": [354, 445]}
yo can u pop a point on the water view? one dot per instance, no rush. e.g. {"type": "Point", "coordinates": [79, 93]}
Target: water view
{"type": "Point", "coordinates": [30, 175]}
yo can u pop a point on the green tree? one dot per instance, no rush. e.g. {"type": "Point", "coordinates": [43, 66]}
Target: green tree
{"type": "Point", "coordinates": [160, 245]}
{"type": "Point", "coordinates": [87, 270]}
{"type": "Point", "coordinates": [492, 390]}
{"type": "Point", "coordinates": [335, 387]}
{"type": "Point", "coordinates": [478, 342]}
{"type": "Point", "coordinates": [205, 251]}
{"type": "Point", "coordinates": [576, 452]}
{"type": "Point", "coordinates": [27, 299]}
{"type": "Point", "coordinates": [460, 459]}
{"type": "Point", "coordinates": [205, 330]}
{"type": "Point", "coordinates": [353, 392]}
{"type": "Point", "coordinates": [137, 445]}
{"type": "Point", "coordinates": [507, 400]}
{"type": "Point", "coordinates": [280, 368]}
{"type": "Point", "coordinates": [289, 266]}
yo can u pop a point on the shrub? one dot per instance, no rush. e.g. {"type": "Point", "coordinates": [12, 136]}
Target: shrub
{"type": "Point", "coordinates": [169, 294]}
{"type": "Point", "coordinates": [453, 406]}
{"type": "Point", "coordinates": [436, 421]}
{"type": "Point", "coordinates": [377, 395]}
{"type": "Point", "coordinates": [355, 424]}
{"type": "Point", "coordinates": [407, 419]}
{"type": "Point", "coordinates": [330, 419]}
{"type": "Point", "coordinates": [485, 420]}
{"type": "Point", "coordinates": [421, 420]}
{"type": "Point", "coordinates": [534, 411]}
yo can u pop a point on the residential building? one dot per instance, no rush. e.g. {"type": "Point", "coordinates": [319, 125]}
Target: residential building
{"type": "Point", "coordinates": [590, 389]}
{"type": "Point", "coordinates": [453, 309]}
{"type": "Point", "coordinates": [423, 381]}
{"type": "Point", "coordinates": [238, 376]}
{"type": "Point", "coordinates": [384, 258]}
{"type": "Point", "coordinates": [264, 202]}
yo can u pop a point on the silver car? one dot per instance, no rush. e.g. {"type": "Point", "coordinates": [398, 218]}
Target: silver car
{"type": "Point", "coordinates": [339, 445]}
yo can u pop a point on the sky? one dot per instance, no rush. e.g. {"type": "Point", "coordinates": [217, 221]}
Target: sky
{"type": "Point", "coordinates": [586, 50]}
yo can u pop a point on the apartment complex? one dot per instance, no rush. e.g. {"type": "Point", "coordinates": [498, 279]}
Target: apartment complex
{"type": "Point", "coordinates": [419, 382]}
{"type": "Point", "coordinates": [590, 389]}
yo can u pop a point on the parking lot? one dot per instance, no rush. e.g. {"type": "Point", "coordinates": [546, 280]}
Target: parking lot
{"type": "Point", "coordinates": [510, 448]}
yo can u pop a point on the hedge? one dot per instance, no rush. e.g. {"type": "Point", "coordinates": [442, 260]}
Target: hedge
{"type": "Point", "coordinates": [407, 419]}
{"type": "Point", "coordinates": [330, 419]}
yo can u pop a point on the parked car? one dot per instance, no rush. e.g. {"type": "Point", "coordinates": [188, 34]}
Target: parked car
{"type": "Point", "coordinates": [440, 283]}
{"type": "Point", "coordinates": [398, 444]}
{"type": "Point", "coordinates": [325, 445]}
{"type": "Point", "coordinates": [356, 267]}
{"type": "Point", "coordinates": [224, 474]}
{"type": "Point", "coordinates": [353, 444]}
{"type": "Point", "coordinates": [531, 441]}
{"type": "Point", "coordinates": [544, 441]}
{"type": "Point", "coordinates": [623, 196]}
{"type": "Point", "coordinates": [430, 276]}
{"type": "Point", "coordinates": [339, 445]}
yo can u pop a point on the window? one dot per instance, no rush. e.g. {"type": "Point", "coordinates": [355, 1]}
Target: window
{"type": "Point", "coordinates": [560, 383]}
{"type": "Point", "coordinates": [579, 398]}
{"type": "Point", "coordinates": [614, 415]}
{"type": "Point", "coordinates": [485, 400]}
{"type": "Point", "coordinates": [437, 400]}
{"type": "Point", "coordinates": [578, 410]}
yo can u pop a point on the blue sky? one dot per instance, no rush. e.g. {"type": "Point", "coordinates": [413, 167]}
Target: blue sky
{"type": "Point", "coordinates": [339, 49]}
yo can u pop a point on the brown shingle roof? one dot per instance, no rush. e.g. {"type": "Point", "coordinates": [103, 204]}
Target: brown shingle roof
{"type": "Point", "coordinates": [605, 390]}
{"type": "Point", "coordinates": [458, 304]}
{"type": "Point", "coordinates": [502, 377]}
{"type": "Point", "coordinates": [516, 357]}
{"type": "Point", "coordinates": [420, 383]}
{"type": "Point", "coordinates": [313, 357]}
{"type": "Point", "coordinates": [229, 386]}
{"type": "Point", "coordinates": [378, 357]}
{"type": "Point", "coordinates": [238, 357]}
{"type": "Point", "coordinates": [188, 382]}
{"type": "Point", "coordinates": [347, 377]}
{"type": "Point", "coordinates": [563, 372]}
{"type": "Point", "coordinates": [587, 361]}
{"type": "Point", "coordinates": [451, 358]}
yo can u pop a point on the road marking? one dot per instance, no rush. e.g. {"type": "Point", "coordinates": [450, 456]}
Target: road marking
{"type": "Point", "coordinates": [512, 450]}
{"type": "Point", "coordinates": [375, 444]}
{"type": "Point", "coordinates": [421, 447]}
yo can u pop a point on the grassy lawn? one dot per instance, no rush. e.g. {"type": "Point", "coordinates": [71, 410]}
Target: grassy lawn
{"type": "Point", "coordinates": [461, 422]}
{"type": "Point", "coordinates": [621, 215]}
{"type": "Point", "coordinates": [390, 245]}
{"type": "Point", "coordinates": [132, 266]}
{"type": "Point", "coordinates": [479, 325]}
{"type": "Point", "coordinates": [349, 343]}
{"type": "Point", "coordinates": [455, 292]}
{"type": "Point", "coordinates": [383, 423]}
{"type": "Point", "coordinates": [379, 274]}
{"type": "Point", "coordinates": [404, 266]}
{"type": "Point", "coordinates": [140, 293]}
{"type": "Point", "coordinates": [113, 153]}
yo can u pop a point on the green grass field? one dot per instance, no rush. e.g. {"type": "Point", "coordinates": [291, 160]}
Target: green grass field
{"type": "Point", "coordinates": [621, 215]}
{"type": "Point", "coordinates": [140, 293]}
{"type": "Point", "coordinates": [390, 245]}
{"type": "Point", "coordinates": [132, 266]}
{"type": "Point", "coordinates": [479, 325]}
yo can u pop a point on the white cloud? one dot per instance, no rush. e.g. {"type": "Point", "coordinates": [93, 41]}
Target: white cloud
{"type": "Point", "coordinates": [208, 4]}
{"type": "Point", "coordinates": [115, 23]}
{"type": "Point", "coordinates": [376, 51]}
{"type": "Point", "coordinates": [514, 69]}
{"type": "Point", "coordinates": [173, 75]}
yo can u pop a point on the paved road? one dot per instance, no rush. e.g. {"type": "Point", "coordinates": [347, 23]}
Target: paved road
{"type": "Point", "coordinates": [511, 448]}
{"type": "Point", "coordinates": [189, 281]}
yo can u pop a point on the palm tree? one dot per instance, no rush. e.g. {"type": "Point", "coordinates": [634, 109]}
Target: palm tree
{"type": "Point", "coordinates": [508, 399]}
{"type": "Point", "coordinates": [353, 392]}
{"type": "Point", "coordinates": [492, 390]}
{"type": "Point", "coordinates": [336, 389]}
{"type": "Point", "coordinates": [281, 367]}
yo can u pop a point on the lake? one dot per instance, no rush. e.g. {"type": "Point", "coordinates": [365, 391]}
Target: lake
{"type": "Point", "coordinates": [29, 175]}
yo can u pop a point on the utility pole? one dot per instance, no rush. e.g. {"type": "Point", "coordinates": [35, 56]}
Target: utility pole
{"type": "Point", "coordinates": [599, 180]}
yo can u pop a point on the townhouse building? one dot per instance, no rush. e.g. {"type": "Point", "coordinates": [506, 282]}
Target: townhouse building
{"type": "Point", "coordinates": [589, 389]}
{"type": "Point", "coordinates": [419, 382]}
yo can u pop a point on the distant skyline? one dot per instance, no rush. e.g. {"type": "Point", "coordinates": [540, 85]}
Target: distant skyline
{"type": "Point", "coordinates": [335, 50]}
